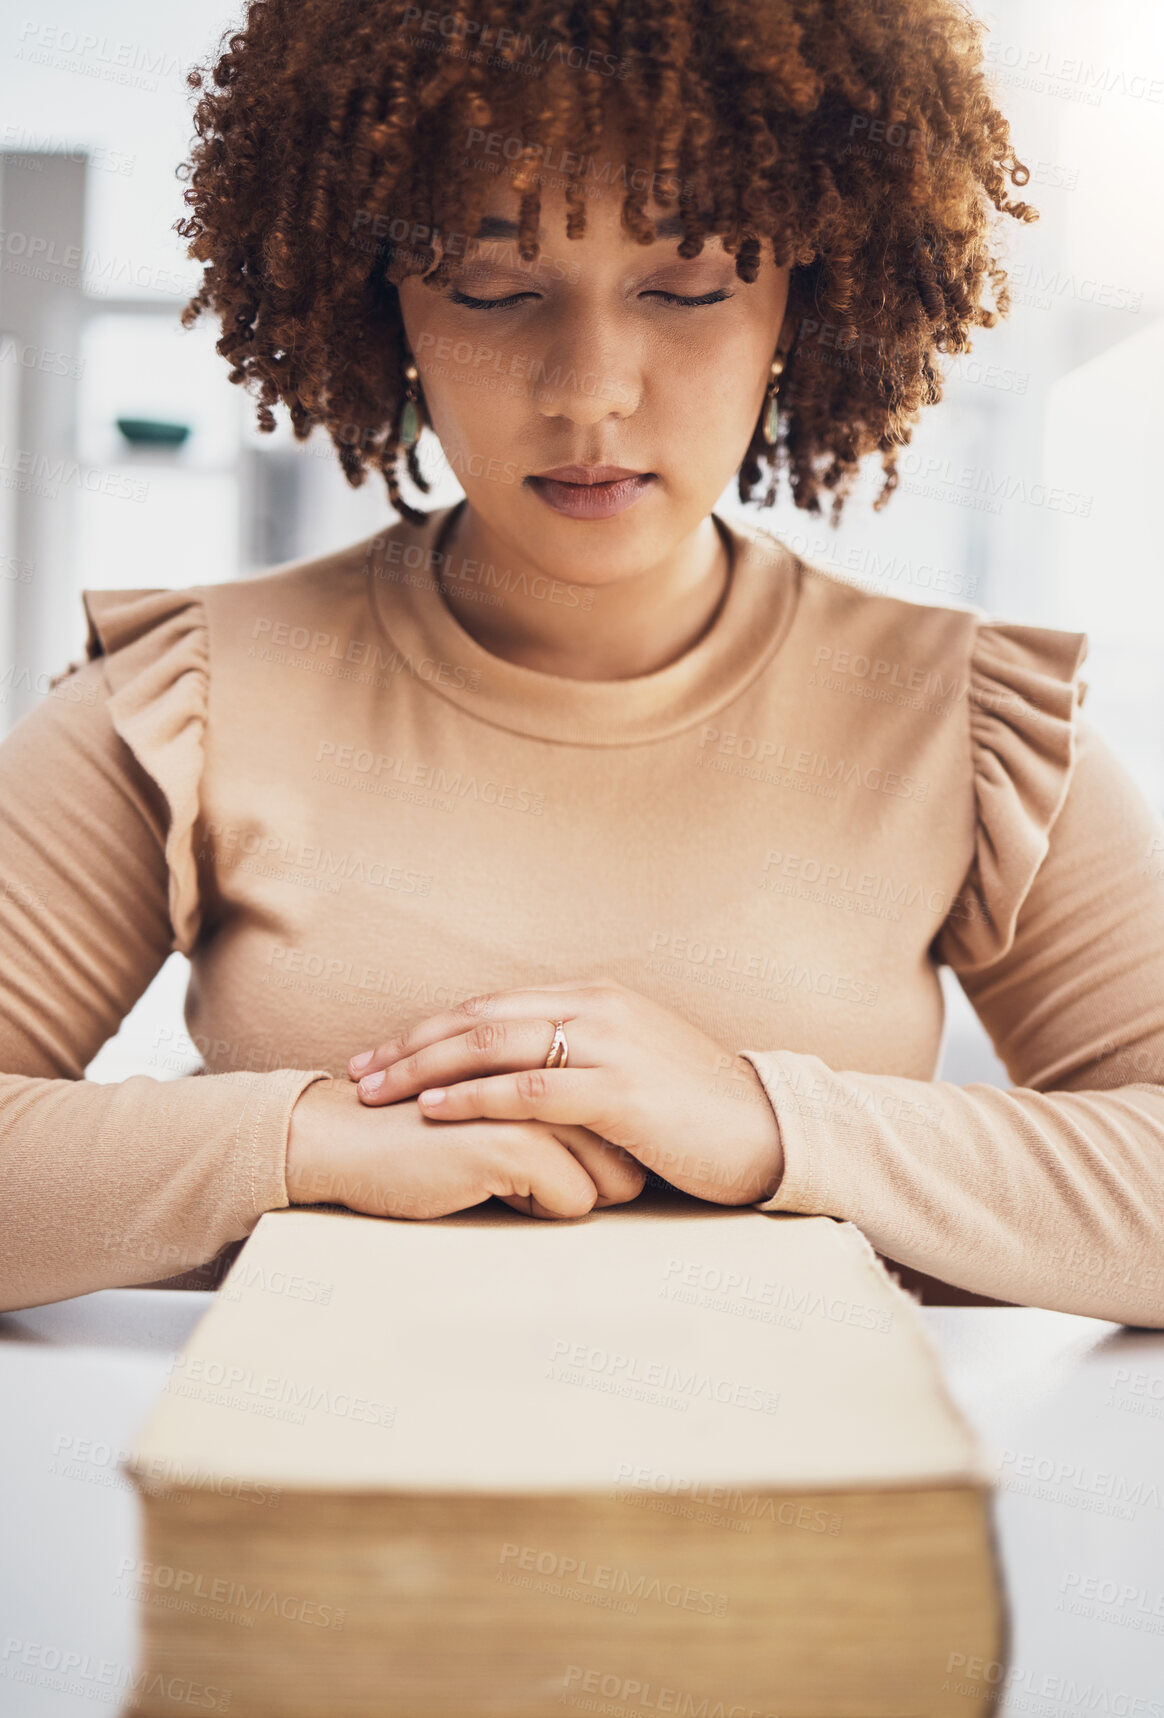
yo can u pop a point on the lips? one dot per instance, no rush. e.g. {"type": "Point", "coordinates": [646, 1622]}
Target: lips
{"type": "Point", "coordinates": [593, 492]}
{"type": "Point", "coordinates": [589, 474]}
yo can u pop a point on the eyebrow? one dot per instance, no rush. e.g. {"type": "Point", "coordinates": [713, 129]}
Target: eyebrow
{"type": "Point", "coordinates": [500, 227]}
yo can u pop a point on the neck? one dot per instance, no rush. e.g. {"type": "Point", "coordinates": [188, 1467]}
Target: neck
{"type": "Point", "coordinates": [613, 631]}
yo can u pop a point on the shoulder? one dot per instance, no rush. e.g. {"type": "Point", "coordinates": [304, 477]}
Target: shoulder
{"type": "Point", "coordinates": [181, 631]}
{"type": "Point", "coordinates": [988, 705]}
{"type": "Point", "coordinates": [158, 652]}
{"type": "Point", "coordinates": [856, 629]}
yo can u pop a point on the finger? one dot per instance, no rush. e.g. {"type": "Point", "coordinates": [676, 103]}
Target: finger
{"type": "Point", "coordinates": [529, 1207]}
{"type": "Point", "coordinates": [580, 1096]}
{"type": "Point", "coordinates": [539, 1170]}
{"type": "Point", "coordinates": [617, 1175]}
{"type": "Point", "coordinates": [492, 1046]}
{"type": "Point", "coordinates": [553, 1001]}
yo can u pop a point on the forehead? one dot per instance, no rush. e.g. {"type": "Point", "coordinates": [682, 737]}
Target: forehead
{"type": "Point", "coordinates": [604, 174]}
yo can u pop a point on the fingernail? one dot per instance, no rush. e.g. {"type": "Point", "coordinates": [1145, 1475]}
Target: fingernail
{"type": "Point", "coordinates": [359, 1062]}
{"type": "Point", "coordinates": [435, 1096]}
{"type": "Point", "coordinates": [372, 1083]}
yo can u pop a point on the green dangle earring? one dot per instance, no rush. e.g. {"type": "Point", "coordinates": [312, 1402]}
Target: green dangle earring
{"type": "Point", "coordinates": [410, 418]}
{"type": "Point", "coordinates": [772, 414]}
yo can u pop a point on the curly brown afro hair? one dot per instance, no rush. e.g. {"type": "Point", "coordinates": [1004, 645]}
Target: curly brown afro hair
{"type": "Point", "coordinates": [857, 138]}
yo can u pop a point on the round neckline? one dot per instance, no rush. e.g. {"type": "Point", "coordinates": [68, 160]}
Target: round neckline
{"type": "Point", "coordinates": [753, 617]}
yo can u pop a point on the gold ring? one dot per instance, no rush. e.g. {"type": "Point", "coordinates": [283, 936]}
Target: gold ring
{"type": "Point", "coordinates": [559, 1049]}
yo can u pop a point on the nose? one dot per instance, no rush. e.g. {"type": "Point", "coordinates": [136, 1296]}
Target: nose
{"type": "Point", "coordinates": [583, 375]}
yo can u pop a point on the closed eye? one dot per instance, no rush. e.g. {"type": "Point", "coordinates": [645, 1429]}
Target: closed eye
{"type": "Point", "coordinates": [516, 298]}
{"type": "Point", "coordinates": [677, 298]}
{"type": "Point", "coordinates": [489, 303]}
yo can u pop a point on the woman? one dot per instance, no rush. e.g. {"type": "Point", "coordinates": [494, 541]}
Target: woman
{"type": "Point", "coordinates": [570, 802]}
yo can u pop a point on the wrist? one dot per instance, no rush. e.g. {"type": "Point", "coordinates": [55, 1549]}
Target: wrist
{"type": "Point", "coordinates": [752, 1171]}
{"type": "Point", "coordinates": [769, 1159]}
{"type": "Point", "coordinates": [771, 1164]}
{"type": "Point", "coordinates": [307, 1169]}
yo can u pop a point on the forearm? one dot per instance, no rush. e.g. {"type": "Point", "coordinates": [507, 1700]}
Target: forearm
{"type": "Point", "coordinates": [103, 1186]}
{"type": "Point", "coordinates": [1043, 1199]}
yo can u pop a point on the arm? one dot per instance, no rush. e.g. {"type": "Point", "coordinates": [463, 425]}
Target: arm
{"type": "Point", "coordinates": [1052, 1193]}
{"type": "Point", "coordinates": [103, 1185]}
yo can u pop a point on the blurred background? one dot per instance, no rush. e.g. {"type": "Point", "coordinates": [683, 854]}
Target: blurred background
{"type": "Point", "coordinates": [1030, 492]}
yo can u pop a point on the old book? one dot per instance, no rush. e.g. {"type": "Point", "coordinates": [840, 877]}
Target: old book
{"type": "Point", "coordinates": [669, 1458]}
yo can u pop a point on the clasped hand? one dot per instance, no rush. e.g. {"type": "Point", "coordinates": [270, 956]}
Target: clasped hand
{"type": "Point", "coordinates": [643, 1089]}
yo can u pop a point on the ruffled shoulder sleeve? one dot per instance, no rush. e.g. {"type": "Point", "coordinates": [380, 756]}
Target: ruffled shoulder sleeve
{"type": "Point", "coordinates": [156, 649]}
{"type": "Point", "coordinates": [1023, 697]}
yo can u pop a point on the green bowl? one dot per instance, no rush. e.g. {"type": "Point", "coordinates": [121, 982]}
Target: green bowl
{"type": "Point", "coordinates": [148, 432]}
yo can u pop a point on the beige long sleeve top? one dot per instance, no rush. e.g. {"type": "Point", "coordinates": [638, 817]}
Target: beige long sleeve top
{"type": "Point", "coordinates": [347, 813]}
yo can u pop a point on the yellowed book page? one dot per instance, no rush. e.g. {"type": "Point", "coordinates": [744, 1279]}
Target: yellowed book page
{"type": "Point", "coordinates": [663, 1344]}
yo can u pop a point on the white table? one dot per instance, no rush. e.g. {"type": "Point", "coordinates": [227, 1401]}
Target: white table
{"type": "Point", "coordinates": [1071, 1409]}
